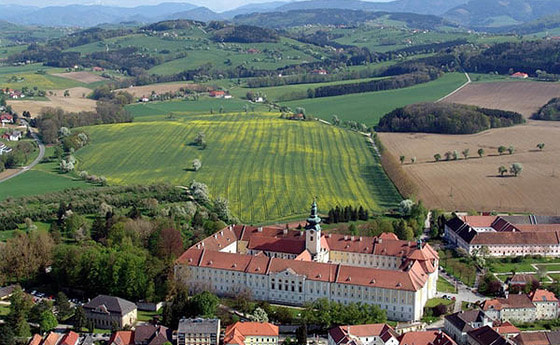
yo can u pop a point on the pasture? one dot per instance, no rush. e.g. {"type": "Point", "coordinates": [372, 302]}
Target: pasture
{"type": "Point", "coordinates": [524, 97]}
{"type": "Point", "coordinates": [474, 184]}
{"type": "Point", "coordinates": [268, 168]}
{"type": "Point", "coordinates": [43, 81]}
{"type": "Point", "coordinates": [369, 107]}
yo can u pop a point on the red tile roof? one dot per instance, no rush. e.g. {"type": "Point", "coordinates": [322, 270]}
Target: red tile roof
{"type": "Point", "coordinates": [35, 340]}
{"type": "Point", "coordinates": [512, 302]}
{"type": "Point", "coordinates": [71, 338]}
{"type": "Point", "coordinates": [341, 334]}
{"type": "Point", "coordinates": [51, 339]}
{"type": "Point", "coordinates": [479, 221]}
{"type": "Point", "coordinates": [236, 333]}
{"type": "Point", "coordinates": [122, 338]}
{"type": "Point", "coordinates": [426, 338]}
{"type": "Point", "coordinates": [541, 295]}
{"type": "Point", "coordinates": [505, 328]}
{"type": "Point", "coordinates": [532, 338]}
{"type": "Point", "coordinates": [272, 244]}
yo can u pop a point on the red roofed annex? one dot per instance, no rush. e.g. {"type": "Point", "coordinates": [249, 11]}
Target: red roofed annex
{"type": "Point", "coordinates": [297, 266]}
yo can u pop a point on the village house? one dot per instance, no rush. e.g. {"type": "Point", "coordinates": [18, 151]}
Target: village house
{"type": "Point", "coordinates": [7, 291]}
{"type": "Point", "coordinates": [538, 305]}
{"type": "Point", "coordinates": [486, 336]}
{"type": "Point", "coordinates": [149, 334]}
{"type": "Point", "coordinates": [12, 136]}
{"type": "Point", "coordinates": [217, 94]}
{"type": "Point", "coordinates": [519, 75]}
{"type": "Point", "coordinates": [251, 333]}
{"type": "Point", "coordinates": [106, 311]}
{"type": "Point", "coordinates": [435, 337]}
{"type": "Point", "coordinates": [6, 119]}
{"type": "Point", "coordinates": [505, 329]}
{"type": "Point", "coordinates": [457, 325]}
{"type": "Point", "coordinates": [372, 334]}
{"type": "Point", "coordinates": [502, 236]}
{"type": "Point", "coordinates": [122, 338]}
{"type": "Point", "coordinates": [538, 338]}
{"type": "Point", "coordinates": [320, 72]}
{"type": "Point", "coordinates": [297, 266]}
{"type": "Point", "coordinates": [198, 332]}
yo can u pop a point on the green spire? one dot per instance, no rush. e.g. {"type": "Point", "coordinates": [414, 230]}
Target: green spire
{"type": "Point", "coordinates": [314, 219]}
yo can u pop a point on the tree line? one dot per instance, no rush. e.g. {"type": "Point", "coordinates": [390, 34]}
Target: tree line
{"type": "Point", "coordinates": [549, 112]}
{"type": "Point", "coordinates": [109, 109]}
{"type": "Point", "coordinates": [446, 118]}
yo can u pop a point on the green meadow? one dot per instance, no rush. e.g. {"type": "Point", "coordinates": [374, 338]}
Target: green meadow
{"type": "Point", "coordinates": [369, 107]}
{"type": "Point", "coordinates": [268, 168]}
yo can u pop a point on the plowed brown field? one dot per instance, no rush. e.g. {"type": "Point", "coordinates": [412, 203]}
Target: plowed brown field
{"type": "Point", "coordinates": [474, 184]}
{"type": "Point", "coordinates": [524, 97]}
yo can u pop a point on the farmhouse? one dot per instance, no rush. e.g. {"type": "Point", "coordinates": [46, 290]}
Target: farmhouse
{"type": "Point", "coordinates": [6, 119]}
{"type": "Point", "coordinates": [12, 136]}
{"type": "Point", "coordinates": [520, 75]}
{"type": "Point", "coordinates": [320, 72]}
{"type": "Point", "coordinates": [436, 337]}
{"type": "Point", "coordinates": [217, 94]}
{"type": "Point", "coordinates": [372, 334]}
{"type": "Point", "coordinates": [505, 235]}
{"type": "Point", "coordinates": [294, 267]}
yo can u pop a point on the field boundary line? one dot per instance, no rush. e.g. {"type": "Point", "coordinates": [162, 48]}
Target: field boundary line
{"type": "Point", "coordinates": [456, 90]}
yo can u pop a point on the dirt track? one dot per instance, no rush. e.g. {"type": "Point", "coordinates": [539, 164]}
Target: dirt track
{"type": "Point", "coordinates": [83, 77]}
{"type": "Point", "coordinates": [139, 91]}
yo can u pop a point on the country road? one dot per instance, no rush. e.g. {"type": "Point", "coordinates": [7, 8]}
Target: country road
{"type": "Point", "coordinates": [456, 90]}
{"type": "Point", "coordinates": [35, 161]}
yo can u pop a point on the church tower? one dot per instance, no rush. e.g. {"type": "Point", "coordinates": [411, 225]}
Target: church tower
{"type": "Point", "coordinates": [313, 232]}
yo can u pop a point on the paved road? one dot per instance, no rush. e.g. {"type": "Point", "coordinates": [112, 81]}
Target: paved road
{"type": "Point", "coordinates": [35, 162]}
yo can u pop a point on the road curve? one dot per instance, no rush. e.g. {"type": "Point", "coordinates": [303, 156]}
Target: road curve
{"type": "Point", "coordinates": [35, 161]}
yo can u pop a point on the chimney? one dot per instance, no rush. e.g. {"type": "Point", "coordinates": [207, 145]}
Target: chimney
{"type": "Point", "coordinates": [380, 240]}
{"type": "Point", "coordinates": [301, 232]}
{"type": "Point", "coordinates": [352, 238]}
{"type": "Point", "coordinates": [285, 231]}
{"type": "Point", "coordinates": [346, 237]}
{"type": "Point", "coordinates": [360, 239]}
{"type": "Point", "coordinates": [260, 229]}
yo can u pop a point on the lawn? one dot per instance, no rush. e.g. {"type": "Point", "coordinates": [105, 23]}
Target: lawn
{"type": "Point", "coordinates": [4, 310]}
{"type": "Point", "coordinates": [40, 180]}
{"type": "Point", "coordinates": [549, 267]}
{"type": "Point", "coordinates": [461, 268]}
{"type": "Point", "coordinates": [445, 286]}
{"type": "Point", "coordinates": [437, 301]}
{"type": "Point", "coordinates": [369, 107]}
{"type": "Point", "coordinates": [268, 168]}
{"type": "Point", "coordinates": [147, 316]}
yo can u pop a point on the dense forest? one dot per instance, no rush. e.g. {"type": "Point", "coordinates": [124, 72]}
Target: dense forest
{"type": "Point", "coordinates": [446, 118]}
{"type": "Point", "coordinates": [526, 56]}
{"type": "Point", "coordinates": [550, 111]}
{"type": "Point", "coordinates": [245, 34]}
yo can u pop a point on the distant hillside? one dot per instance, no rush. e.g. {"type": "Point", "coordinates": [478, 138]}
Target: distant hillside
{"type": "Point", "coordinates": [336, 17]}
{"type": "Point", "coordinates": [252, 8]}
{"type": "Point", "coordinates": [415, 6]}
{"type": "Point", "coordinates": [82, 15]}
{"type": "Point", "coordinates": [202, 14]}
{"type": "Point", "coordinates": [498, 13]}
{"type": "Point", "coordinates": [542, 24]}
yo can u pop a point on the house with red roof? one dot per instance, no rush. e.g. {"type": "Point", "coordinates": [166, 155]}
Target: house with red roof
{"type": "Point", "coordinates": [6, 119]}
{"type": "Point", "coordinates": [70, 338]}
{"type": "Point", "coordinates": [436, 337]}
{"type": "Point", "coordinates": [35, 340]}
{"type": "Point", "coordinates": [217, 94]}
{"type": "Point", "coordinates": [371, 334]}
{"type": "Point", "coordinates": [261, 333]}
{"type": "Point", "coordinates": [546, 304]}
{"type": "Point", "coordinates": [290, 266]}
{"type": "Point", "coordinates": [520, 75]}
{"type": "Point", "coordinates": [122, 338]}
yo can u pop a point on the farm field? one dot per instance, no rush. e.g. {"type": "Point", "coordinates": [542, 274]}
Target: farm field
{"type": "Point", "coordinates": [17, 80]}
{"type": "Point", "coordinates": [268, 168]}
{"type": "Point", "coordinates": [474, 184]}
{"type": "Point", "coordinates": [146, 90]}
{"type": "Point", "coordinates": [76, 102]}
{"type": "Point", "coordinates": [82, 77]}
{"type": "Point", "coordinates": [157, 111]}
{"type": "Point", "coordinates": [524, 97]}
{"type": "Point", "coordinates": [369, 107]}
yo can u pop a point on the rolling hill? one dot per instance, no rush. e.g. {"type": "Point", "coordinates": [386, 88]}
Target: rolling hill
{"type": "Point", "coordinates": [497, 13]}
